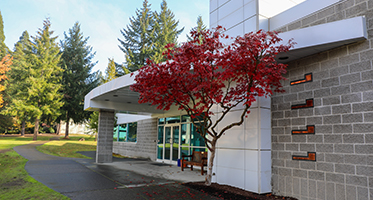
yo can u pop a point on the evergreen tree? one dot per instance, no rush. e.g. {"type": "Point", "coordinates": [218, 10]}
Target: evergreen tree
{"type": "Point", "coordinates": [93, 124]}
{"type": "Point", "coordinates": [147, 35]}
{"type": "Point", "coordinates": [110, 72]}
{"type": "Point", "coordinates": [18, 81]}
{"type": "Point", "coordinates": [165, 31]}
{"type": "Point", "coordinates": [44, 97]}
{"type": "Point", "coordinates": [93, 118]}
{"type": "Point", "coordinates": [120, 70]}
{"type": "Point", "coordinates": [138, 38]}
{"type": "Point", "coordinates": [4, 50]}
{"type": "Point", "coordinates": [77, 78]}
{"type": "Point", "coordinates": [200, 27]}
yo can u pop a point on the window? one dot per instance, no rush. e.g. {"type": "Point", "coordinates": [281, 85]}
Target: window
{"type": "Point", "coordinates": [173, 120]}
{"type": "Point", "coordinates": [185, 140]}
{"type": "Point", "coordinates": [132, 132]}
{"type": "Point", "coordinates": [195, 138]}
{"type": "Point", "coordinates": [125, 132]}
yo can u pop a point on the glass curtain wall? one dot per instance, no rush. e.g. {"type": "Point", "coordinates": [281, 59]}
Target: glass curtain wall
{"type": "Point", "coordinates": [125, 132]}
{"type": "Point", "coordinates": [177, 137]}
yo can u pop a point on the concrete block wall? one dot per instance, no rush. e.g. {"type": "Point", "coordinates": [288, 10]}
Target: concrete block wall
{"type": "Point", "coordinates": [342, 89]}
{"type": "Point", "coordinates": [145, 147]}
{"type": "Point", "coordinates": [105, 136]}
{"type": "Point", "coordinates": [343, 9]}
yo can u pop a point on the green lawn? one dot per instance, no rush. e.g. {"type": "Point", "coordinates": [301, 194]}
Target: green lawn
{"type": "Point", "coordinates": [10, 142]}
{"type": "Point", "coordinates": [15, 183]}
{"type": "Point", "coordinates": [68, 147]}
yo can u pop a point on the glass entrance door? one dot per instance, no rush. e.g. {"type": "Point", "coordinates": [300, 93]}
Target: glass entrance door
{"type": "Point", "coordinates": [177, 136]}
{"type": "Point", "coordinates": [171, 143]}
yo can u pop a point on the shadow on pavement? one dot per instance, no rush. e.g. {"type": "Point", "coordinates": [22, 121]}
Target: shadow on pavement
{"type": "Point", "coordinates": [84, 179]}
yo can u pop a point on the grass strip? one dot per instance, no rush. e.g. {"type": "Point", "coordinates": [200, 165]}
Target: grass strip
{"type": "Point", "coordinates": [67, 148]}
{"type": "Point", "coordinates": [15, 183]}
{"type": "Point", "coordinates": [10, 142]}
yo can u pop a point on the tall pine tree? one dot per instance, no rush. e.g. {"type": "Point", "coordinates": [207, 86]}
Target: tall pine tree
{"type": "Point", "coordinates": [147, 35]}
{"type": "Point", "coordinates": [44, 97]}
{"type": "Point", "coordinates": [138, 38]}
{"type": "Point", "coordinates": [18, 81]}
{"type": "Point", "coordinates": [166, 32]}
{"type": "Point", "coordinates": [78, 78]}
{"type": "Point", "coordinates": [4, 50]}
{"type": "Point", "coordinates": [110, 72]}
{"type": "Point", "coordinates": [200, 26]}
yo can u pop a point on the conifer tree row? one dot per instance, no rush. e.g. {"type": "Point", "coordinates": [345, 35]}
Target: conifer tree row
{"type": "Point", "coordinates": [48, 84]}
{"type": "Point", "coordinates": [146, 36]}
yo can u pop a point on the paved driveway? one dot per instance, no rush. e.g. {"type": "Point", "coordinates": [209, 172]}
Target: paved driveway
{"type": "Point", "coordinates": [83, 179]}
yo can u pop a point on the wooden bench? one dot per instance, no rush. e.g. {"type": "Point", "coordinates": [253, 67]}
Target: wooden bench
{"type": "Point", "coordinates": [198, 158]}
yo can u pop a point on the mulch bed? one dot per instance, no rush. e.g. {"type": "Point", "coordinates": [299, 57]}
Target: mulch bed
{"type": "Point", "coordinates": [232, 193]}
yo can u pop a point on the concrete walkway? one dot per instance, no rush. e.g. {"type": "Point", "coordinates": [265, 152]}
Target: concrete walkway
{"type": "Point", "coordinates": [149, 168]}
{"type": "Point", "coordinates": [122, 179]}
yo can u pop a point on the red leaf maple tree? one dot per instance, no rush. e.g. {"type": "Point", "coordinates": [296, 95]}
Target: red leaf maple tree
{"type": "Point", "coordinates": [204, 73]}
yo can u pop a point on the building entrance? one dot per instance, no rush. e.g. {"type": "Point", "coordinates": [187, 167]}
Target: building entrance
{"type": "Point", "coordinates": [171, 143]}
{"type": "Point", "coordinates": [177, 137]}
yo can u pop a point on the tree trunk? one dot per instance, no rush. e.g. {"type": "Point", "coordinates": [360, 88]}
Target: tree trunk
{"type": "Point", "coordinates": [67, 126]}
{"type": "Point", "coordinates": [58, 128]}
{"type": "Point", "coordinates": [211, 162]}
{"type": "Point", "coordinates": [36, 129]}
{"type": "Point", "coordinates": [23, 128]}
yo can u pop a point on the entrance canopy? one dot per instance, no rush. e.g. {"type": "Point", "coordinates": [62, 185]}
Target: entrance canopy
{"type": "Point", "coordinates": [316, 39]}
{"type": "Point", "coordinates": [129, 118]}
{"type": "Point", "coordinates": [117, 95]}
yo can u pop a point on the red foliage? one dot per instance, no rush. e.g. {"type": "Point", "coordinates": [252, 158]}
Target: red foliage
{"type": "Point", "coordinates": [205, 72]}
{"type": "Point", "coordinates": [5, 63]}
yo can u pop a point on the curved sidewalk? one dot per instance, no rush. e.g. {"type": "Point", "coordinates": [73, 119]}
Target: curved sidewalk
{"type": "Point", "coordinates": [84, 179]}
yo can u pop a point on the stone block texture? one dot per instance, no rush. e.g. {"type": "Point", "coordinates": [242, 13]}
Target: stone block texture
{"type": "Point", "coordinates": [343, 116]}
{"type": "Point", "coordinates": [145, 147]}
{"type": "Point", "coordinates": [104, 152]}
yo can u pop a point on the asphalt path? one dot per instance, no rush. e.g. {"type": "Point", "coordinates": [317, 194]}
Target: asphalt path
{"type": "Point", "coordinates": [85, 179]}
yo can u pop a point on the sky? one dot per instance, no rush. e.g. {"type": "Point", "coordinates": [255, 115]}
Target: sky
{"type": "Point", "coordinates": [100, 20]}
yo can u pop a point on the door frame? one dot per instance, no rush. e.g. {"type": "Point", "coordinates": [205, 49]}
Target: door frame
{"type": "Point", "coordinates": [170, 161]}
